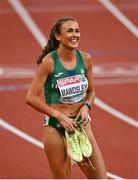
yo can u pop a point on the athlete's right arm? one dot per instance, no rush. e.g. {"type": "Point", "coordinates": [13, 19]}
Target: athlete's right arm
{"type": "Point", "coordinates": [33, 99]}
{"type": "Point", "coordinates": [33, 95]}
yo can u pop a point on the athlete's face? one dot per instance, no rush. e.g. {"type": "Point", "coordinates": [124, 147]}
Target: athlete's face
{"type": "Point", "coordinates": [69, 34]}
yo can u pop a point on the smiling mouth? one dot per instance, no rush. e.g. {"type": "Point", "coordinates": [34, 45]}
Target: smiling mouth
{"type": "Point", "coordinates": [74, 41]}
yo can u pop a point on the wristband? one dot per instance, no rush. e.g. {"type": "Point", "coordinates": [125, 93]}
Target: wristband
{"type": "Point", "coordinates": [88, 106]}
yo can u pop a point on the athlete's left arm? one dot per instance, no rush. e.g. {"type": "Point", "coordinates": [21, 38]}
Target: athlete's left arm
{"type": "Point", "coordinates": [89, 75]}
{"type": "Point", "coordinates": [90, 95]}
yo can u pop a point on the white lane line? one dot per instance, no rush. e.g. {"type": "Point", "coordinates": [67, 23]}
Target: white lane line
{"type": "Point", "coordinates": [113, 81]}
{"type": "Point", "coordinates": [34, 141]}
{"type": "Point", "coordinates": [28, 21]}
{"type": "Point", "coordinates": [17, 4]}
{"type": "Point", "coordinates": [120, 16]}
{"type": "Point", "coordinates": [83, 7]}
{"type": "Point", "coordinates": [18, 72]}
{"type": "Point", "coordinates": [110, 175]}
{"type": "Point", "coordinates": [116, 113]}
{"type": "Point", "coordinates": [20, 134]}
{"type": "Point", "coordinates": [99, 71]}
{"type": "Point", "coordinates": [97, 82]}
{"type": "Point", "coordinates": [14, 87]}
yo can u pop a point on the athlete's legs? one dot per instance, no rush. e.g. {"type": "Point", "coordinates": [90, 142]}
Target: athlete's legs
{"type": "Point", "coordinates": [55, 150]}
{"type": "Point", "coordinates": [96, 159]}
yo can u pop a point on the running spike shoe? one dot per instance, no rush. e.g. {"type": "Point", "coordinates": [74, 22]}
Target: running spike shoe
{"type": "Point", "coordinates": [73, 148]}
{"type": "Point", "coordinates": [85, 145]}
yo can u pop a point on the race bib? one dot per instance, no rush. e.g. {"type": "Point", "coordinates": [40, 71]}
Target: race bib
{"type": "Point", "coordinates": [72, 89]}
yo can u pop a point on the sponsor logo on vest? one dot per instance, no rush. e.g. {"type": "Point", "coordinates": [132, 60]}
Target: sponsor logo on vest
{"type": "Point", "coordinates": [69, 80]}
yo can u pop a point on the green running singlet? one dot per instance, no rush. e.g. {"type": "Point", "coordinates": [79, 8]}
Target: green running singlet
{"type": "Point", "coordinates": [66, 85]}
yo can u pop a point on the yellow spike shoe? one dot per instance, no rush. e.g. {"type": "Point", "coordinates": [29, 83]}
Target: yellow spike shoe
{"type": "Point", "coordinates": [85, 145]}
{"type": "Point", "coordinates": [73, 148]}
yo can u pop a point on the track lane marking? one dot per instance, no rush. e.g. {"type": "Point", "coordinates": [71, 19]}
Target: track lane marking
{"type": "Point", "coordinates": [83, 7]}
{"type": "Point", "coordinates": [28, 21]}
{"type": "Point", "coordinates": [20, 133]}
{"type": "Point", "coordinates": [100, 70]}
{"type": "Point", "coordinates": [114, 81]}
{"type": "Point", "coordinates": [35, 141]}
{"type": "Point", "coordinates": [97, 82]}
{"type": "Point", "coordinates": [116, 113]}
{"type": "Point", "coordinates": [120, 16]}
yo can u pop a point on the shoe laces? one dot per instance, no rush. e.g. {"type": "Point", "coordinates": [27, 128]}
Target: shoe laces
{"type": "Point", "coordinates": [88, 163]}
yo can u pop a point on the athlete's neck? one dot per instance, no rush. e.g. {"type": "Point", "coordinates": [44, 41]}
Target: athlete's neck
{"type": "Point", "coordinates": [67, 54]}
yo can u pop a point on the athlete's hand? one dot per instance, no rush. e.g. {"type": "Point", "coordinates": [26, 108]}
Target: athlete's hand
{"type": "Point", "coordinates": [68, 123]}
{"type": "Point", "coordinates": [84, 114]}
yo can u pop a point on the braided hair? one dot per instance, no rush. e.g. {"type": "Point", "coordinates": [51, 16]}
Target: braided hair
{"type": "Point", "coordinates": [53, 43]}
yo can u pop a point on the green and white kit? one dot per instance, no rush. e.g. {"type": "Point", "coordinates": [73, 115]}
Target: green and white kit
{"type": "Point", "coordinates": [66, 85]}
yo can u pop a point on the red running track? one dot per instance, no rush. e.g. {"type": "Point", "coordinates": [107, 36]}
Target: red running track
{"type": "Point", "coordinates": [115, 58]}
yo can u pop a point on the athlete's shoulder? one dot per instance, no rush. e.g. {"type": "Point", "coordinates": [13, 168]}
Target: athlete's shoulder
{"type": "Point", "coordinates": [87, 59]}
{"type": "Point", "coordinates": [85, 55]}
{"type": "Point", "coordinates": [48, 63]}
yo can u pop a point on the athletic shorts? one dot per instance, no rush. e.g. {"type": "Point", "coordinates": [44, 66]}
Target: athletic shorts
{"type": "Point", "coordinates": [52, 121]}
